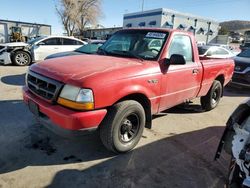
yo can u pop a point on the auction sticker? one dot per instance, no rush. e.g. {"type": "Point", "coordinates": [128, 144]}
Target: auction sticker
{"type": "Point", "coordinates": [156, 35]}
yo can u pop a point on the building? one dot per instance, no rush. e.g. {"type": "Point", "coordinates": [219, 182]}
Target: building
{"type": "Point", "coordinates": [100, 33]}
{"type": "Point", "coordinates": [204, 29]}
{"type": "Point", "coordinates": [28, 30]}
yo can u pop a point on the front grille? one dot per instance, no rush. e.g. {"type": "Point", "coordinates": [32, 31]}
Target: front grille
{"type": "Point", "coordinates": [44, 87]}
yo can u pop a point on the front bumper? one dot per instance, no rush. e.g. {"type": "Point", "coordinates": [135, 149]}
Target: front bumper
{"type": "Point", "coordinates": [5, 58]}
{"type": "Point", "coordinates": [62, 119]}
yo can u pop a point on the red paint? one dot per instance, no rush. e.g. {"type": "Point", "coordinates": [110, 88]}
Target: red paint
{"type": "Point", "coordinates": [112, 78]}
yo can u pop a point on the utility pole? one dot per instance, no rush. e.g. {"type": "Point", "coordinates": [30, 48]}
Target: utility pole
{"type": "Point", "coordinates": [142, 6]}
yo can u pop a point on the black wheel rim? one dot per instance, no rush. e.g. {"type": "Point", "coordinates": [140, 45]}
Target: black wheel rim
{"type": "Point", "coordinates": [129, 128]}
{"type": "Point", "coordinates": [215, 95]}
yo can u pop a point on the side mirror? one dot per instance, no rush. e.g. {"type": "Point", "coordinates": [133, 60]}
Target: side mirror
{"type": "Point", "coordinates": [177, 59]}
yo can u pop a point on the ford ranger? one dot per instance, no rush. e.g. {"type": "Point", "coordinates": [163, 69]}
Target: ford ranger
{"type": "Point", "coordinates": [135, 74]}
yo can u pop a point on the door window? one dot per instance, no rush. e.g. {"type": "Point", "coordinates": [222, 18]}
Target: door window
{"type": "Point", "coordinates": [71, 42]}
{"type": "Point", "coordinates": [52, 41]}
{"type": "Point", "coordinates": [181, 45]}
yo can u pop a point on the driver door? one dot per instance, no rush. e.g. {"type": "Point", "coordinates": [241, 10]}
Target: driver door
{"type": "Point", "coordinates": [180, 82]}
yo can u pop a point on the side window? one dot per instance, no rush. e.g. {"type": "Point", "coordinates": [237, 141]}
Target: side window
{"type": "Point", "coordinates": [78, 42]}
{"type": "Point", "coordinates": [70, 42]}
{"type": "Point", "coordinates": [181, 45]}
{"type": "Point", "coordinates": [52, 41]}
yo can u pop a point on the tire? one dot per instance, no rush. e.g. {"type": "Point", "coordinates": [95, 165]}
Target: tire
{"type": "Point", "coordinates": [21, 58]}
{"type": "Point", "coordinates": [212, 99]}
{"type": "Point", "coordinates": [123, 126]}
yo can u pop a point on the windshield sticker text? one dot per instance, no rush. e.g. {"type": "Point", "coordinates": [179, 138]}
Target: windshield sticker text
{"type": "Point", "coordinates": [156, 35]}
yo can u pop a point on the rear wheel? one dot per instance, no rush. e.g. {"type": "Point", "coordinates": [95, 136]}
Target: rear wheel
{"type": "Point", "coordinates": [21, 58]}
{"type": "Point", "coordinates": [212, 99]}
{"type": "Point", "coordinates": [123, 126]}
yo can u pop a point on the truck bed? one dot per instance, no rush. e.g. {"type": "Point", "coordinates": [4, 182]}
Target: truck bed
{"type": "Point", "coordinates": [215, 68]}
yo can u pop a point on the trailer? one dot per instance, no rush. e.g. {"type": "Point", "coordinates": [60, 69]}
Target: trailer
{"type": "Point", "coordinates": [17, 31]}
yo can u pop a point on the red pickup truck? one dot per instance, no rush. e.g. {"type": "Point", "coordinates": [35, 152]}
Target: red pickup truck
{"type": "Point", "coordinates": [135, 74]}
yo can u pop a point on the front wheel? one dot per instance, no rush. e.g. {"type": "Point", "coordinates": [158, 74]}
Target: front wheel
{"type": "Point", "coordinates": [21, 58]}
{"type": "Point", "coordinates": [123, 126]}
{"type": "Point", "coordinates": [212, 99]}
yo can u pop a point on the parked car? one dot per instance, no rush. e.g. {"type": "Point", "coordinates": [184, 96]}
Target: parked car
{"type": "Point", "coordinates": [118, 90]}
{"type": "Point", "coordinates": [209, 52]}
{"type": "Point", "coordinates": [7, 52]}
{"type": "Point", "coordinates": [37, 49]}
{"type": "Point", "coordinates": [241, 74]}
{"type": "Point", "coordinates": [90, 48]}
{"type": "Point", "coordinates": [236, 142]}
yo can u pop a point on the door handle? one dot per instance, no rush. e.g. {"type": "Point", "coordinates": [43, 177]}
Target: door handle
{"type": "Point", "coordinates": [195, 71]}
{"type": "Point", "coordinates": [56, 48]}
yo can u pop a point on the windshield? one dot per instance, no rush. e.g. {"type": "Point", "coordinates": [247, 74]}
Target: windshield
{"type": "Point", "coordinates": [89, 48]}
{"type": "Point", "coordinates": [245, 53]}
{"type": "Point", "coordinates": [141, 44]}
{"type": "Point", "coordinates": [32, 41]}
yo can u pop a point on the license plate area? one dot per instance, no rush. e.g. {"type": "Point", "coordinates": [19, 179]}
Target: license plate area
{"type": "Point", "coordinates": [33, 108]}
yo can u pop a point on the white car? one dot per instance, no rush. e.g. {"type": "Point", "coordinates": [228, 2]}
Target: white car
{"type": "Point", "coordinates": [37, 49]}
{"type": "Point", "coordinates": [209, 52]}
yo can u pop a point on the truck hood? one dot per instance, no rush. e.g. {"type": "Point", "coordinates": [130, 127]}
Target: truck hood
{"type": "Point", "coordinates": [76, 69]}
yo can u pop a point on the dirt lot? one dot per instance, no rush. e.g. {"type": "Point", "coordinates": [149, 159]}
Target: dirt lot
{"type": "Point", "coordinates": [177, 152]}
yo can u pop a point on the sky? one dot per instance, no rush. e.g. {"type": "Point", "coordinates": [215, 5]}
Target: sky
{"type": "Point", "coordinates": [43, 11]}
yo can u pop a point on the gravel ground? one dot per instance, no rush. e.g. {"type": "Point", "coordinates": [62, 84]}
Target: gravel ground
{"type": "Point", "coordinates": [177, 152]}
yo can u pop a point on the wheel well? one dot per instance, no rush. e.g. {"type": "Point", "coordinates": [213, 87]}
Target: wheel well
{"type": "Point", "coordinates": [144, 101]}
{"type": "Point", "coordinates": [221, 79]}
{"type": "Point", "coordinates": [18, 50]}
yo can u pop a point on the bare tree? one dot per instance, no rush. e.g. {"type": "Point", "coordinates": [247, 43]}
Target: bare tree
{"type": "Point", "coordinates": [75, 15]}
{"type": "Point", "coordinates": [90, 11]}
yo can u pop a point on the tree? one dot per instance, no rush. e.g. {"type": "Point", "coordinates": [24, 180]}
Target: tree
{"type": "Point", "coordinates": [75, 15]}
{"type": "Point", "coordinates": [89, 12]}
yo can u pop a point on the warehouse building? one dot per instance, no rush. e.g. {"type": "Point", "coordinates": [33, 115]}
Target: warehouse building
{"type": "Point", "coordinates": [27, 30]}
{"type": "Point", "coordinates": [204, 29]}
{"type": "Point", "coordinates": [100, 33]}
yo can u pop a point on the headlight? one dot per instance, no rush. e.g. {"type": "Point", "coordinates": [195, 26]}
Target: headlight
{"type": "Point", "coordinates": [76, 98]}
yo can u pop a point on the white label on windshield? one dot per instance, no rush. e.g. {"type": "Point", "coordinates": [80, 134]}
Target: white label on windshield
{"type": "Point", "coordinates": [156, 35]}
